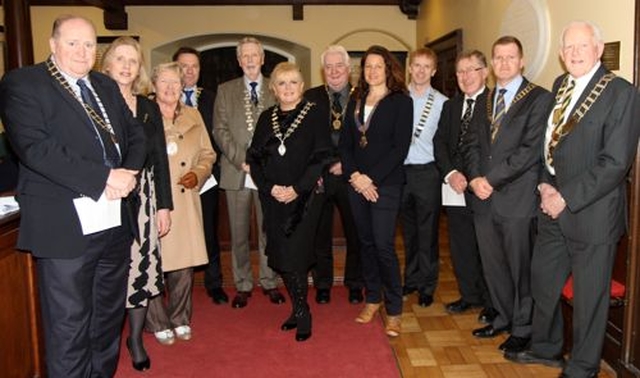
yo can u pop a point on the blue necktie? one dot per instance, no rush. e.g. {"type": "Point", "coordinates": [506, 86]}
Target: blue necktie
{"type": "Point", "coordinates": [110, 152]}
{"type": "Point", "coordinates": [187, 97]}
{"type": "Point", "coordinates": [254, 94]}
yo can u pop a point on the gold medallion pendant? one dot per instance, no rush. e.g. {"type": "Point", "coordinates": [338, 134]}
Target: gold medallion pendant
{"type": "Point", "coordinates": [337, 124]}
{"type": "Point", "coordinates": [363, 141]}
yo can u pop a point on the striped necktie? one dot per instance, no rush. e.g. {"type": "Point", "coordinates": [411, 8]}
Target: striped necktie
{"type": "Point", "coordinates": [499, 114]}
{"type": "Point", "coordinates": [558, 120]}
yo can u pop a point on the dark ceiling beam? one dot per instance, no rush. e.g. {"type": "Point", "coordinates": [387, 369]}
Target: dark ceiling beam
{"type": "Point", "coordinates": [115, 16]}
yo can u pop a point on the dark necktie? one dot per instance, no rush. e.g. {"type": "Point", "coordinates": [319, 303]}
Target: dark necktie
{"type": "Point", "coordinates": [336, 105]}
{"type": "Point", "coordinates": [499, 114]}
{"type": "Point", "coordinates": [110, 152]}
{"type": "Point", "coordinates": [187, 97]}
{"type": "Point", "coordinates": [254, 94]}
{"type": "Point", "coordinates": [465, 120]}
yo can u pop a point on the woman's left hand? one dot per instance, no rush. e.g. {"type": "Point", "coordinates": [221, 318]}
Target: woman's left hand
{"type": "Point", "coordinates": [164, 222]}
{"type": "Point", "coordinates": [284, 194]}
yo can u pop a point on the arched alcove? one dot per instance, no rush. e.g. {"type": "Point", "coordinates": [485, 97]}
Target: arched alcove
{"type": "Point", "coordinates": [219, 62]}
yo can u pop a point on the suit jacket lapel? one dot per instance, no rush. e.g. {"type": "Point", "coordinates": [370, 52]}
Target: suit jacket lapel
{"type": "Point", "coordinates": [601, 71]}
{"type": "Point", "coordinates": [109, 107]}
{"type": "Point", "coordinates": [73, 102]}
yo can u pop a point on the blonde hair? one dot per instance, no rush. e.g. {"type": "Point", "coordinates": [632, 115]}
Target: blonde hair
{"type": "Point", "coordinates": [141, 84]}
{"type": "Point", "coordinates": [279, 70]}
{"type": "Point", "coordinates": [171, 66]}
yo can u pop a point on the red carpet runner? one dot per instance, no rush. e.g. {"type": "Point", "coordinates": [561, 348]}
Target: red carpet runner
{"type": "Point", "coordinates": [248, 343]}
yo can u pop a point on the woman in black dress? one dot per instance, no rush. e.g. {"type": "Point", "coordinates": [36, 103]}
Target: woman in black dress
{"type": "Point", "coordinates": [124, 63]}
{"type": "Point", "coordinates": [373, 145]}
{"type": "Point", "coordinates": [287, 154]}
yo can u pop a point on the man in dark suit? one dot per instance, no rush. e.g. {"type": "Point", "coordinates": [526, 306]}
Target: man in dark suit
{"type": "Point", "coordinates": [502, 163]}
{"type": "Point", "coordinates": [203, 99]}
{"type": "Point", "coordinates": [76, 141]}
{"type": "Point", "coordinates": [332, 98]}
{"type": "Point", "coordinates": [589, 145]}
{"type": "Point", "coordinates": [471, 73]}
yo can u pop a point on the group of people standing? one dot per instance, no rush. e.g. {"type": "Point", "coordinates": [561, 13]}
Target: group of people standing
{"type": "Point", "coordinates": [542, 177]}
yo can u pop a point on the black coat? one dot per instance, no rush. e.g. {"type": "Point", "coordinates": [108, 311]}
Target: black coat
{"type": "Point", "coordinates": [290, 228]}
{"type": "Point", "coordinates": [59, 158]}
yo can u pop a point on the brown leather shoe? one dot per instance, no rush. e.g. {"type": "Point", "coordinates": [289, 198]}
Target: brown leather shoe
{"type": "Point", "coordinates": [241, 299]}
{"type": "Point", "coordinates": [368, 312]}
{"type": "Point", "coordinates": [394, 325]}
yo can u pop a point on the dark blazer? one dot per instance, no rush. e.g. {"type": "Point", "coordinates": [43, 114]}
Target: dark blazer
{"type": "Point", "coordinates": [148, 113]}
{"type": "Point", "coordinates": [388, 136]}
{"type": "Point", "coordinates": [512, 162]}
{"type": "Point", "coordinates": [592, 162]}
{"type": "Point", "coordinates": [445, 141]}
{"type": "Point", "coordinates": [318, 95]}
{"type": "Point", "coordinates": [60, 158]}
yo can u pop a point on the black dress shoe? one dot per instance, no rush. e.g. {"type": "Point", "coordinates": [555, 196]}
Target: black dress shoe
{"type": "Point", "coordinates": [459, 306]}
{"type": "Point", "coordinates": [488, 332]}
{"type": "Point", "coordinates": [355, 295]}
{"type": "Point", "coordinates": [425, 300]}
{"type": "Point", "coordinates": [240, 299]}
{"type": "Point", "coordinates": [323, 296]}
{"type": "Point", "coordinates": [528, 357]}
{"type": "Point", "coordinates": [274, 295]}
{"type": "Point", "coordinates": [303, 331]}
{"type": "Point", "coordinates": [290, 323]}
{"type": "Point", "coordinates": [406, 290]}
{"type": "Point", "coordinates": [218, 296]}
{"type": "Point", "coordinates": [515, 344]}
{"type": "Point", "coordinates": [487, 315]}
{"type": "Point", "coordinates": [143, 365]}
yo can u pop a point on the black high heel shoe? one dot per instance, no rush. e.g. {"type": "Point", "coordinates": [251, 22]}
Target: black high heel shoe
{"type": "Point", "coordinates": [290, 323]}
{"type": "Point", "coordinates": [139, 365]}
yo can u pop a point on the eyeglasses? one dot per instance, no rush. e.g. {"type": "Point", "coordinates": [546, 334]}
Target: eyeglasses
{"type": "Point", "coordinates": [468, 71]}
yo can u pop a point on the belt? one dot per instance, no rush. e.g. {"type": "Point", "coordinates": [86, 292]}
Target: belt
{"type": "Point", "coordinates": [419, 166]}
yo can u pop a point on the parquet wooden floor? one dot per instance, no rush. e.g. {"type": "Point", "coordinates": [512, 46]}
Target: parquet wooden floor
{"type": "Point", "coordinates": [433, 343]}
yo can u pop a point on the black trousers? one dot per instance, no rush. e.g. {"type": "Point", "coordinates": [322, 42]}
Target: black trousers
{"type": "Point", "coordinates": [465, 256]}
{"type": "Point", "coordinates": [506, 245]}
{"type": "Point", "coordinates": [83, 306]}
{"type": "Point", "coordinates": [376, 225]}
{"type": "Point", "coordinates": [554, 258]}
{"type": "Point", "coordinates": [336, 194]}
{"type": "Point", "coordinates": [420, 215]}
{"type": "Point", "coordinates": [212, 271]}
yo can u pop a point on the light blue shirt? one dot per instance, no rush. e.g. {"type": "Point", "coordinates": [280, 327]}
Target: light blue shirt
{"type": "Point", "coordinates": [512, 89]}
{"type": "Point", "coordinates": [421, 149]}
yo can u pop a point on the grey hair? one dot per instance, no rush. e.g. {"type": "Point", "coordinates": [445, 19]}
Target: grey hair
{"type": "Point", "coordinates": [595, 29]}
{"type": "Point", "coordinates": [247, 40]}
{"type": "Point", "coordinates": [336, 49]}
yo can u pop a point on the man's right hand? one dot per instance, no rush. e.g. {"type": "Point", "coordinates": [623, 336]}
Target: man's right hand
{"type": "Point", "coordinates": [458, 182]}
{"type": "Point", "coordinates": [120, 183]}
